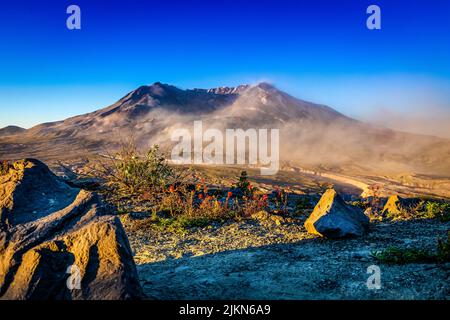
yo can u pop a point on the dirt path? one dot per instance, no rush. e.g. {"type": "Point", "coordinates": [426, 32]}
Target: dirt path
{"type": "Point", "coordinates": [346, 180]}
{"type": "Point", "coordinates": [337, 178]}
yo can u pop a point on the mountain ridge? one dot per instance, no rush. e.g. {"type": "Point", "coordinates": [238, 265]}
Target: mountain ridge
{"type": "Point", "coordinates": [11, 130]}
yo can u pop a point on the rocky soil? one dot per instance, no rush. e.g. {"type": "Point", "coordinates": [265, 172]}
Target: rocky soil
{"type": "Point", "coordinates": [48, 224]}
{"type": "Point", "coordinates": [264, 259]}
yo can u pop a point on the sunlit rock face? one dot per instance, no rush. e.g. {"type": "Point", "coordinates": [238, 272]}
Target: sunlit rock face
{"type": "Point", "coordinates": [333, 218]}
{"type": "Point", "coordinates": [396, 206]}
{"type": "Point", "coordinates": [57, 242]}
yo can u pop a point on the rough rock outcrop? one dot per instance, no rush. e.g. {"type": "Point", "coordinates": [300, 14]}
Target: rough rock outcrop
{"type": "Point", "coordinates": [397, 206]}
{"type": "Point", "coordinates": [333, 218]}
{"type": "Point", "coordinates": [11, 130]}
{"type": "Point", "coordinates": [56, 242]}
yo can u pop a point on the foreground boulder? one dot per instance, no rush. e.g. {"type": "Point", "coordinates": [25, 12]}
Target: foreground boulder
{"type": "Point", "coordinates": [56, 242]}
{"type": "Point", "coordinates": [333, 218]}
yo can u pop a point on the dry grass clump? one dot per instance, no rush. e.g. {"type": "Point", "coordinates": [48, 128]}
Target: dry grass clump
{"type": "Point", "coordinates": [422, 209]}
{"type": "Point", "coordinates": [4, 167]}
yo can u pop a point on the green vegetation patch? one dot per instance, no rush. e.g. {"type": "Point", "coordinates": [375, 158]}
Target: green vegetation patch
{"type": "Point", "coordinates": [439, 210]}
{"type": "Point", "coordinates": [395, 255]}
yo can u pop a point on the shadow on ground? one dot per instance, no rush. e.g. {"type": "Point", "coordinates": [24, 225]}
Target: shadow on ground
{"type": "Point", "coordinates": [309, 269]}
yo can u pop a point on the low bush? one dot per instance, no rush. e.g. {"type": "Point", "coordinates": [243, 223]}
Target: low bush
{"type": "Point", "coordinates": [132, 175]}
{"type": "Point", "coordinates": [439, 210]}
{"type": "Point", "coordinates": [424, 209]}
{"type": "Point", "coordinates": [244, 186]}
{"type": "Point", "coordinates": [395, 255]}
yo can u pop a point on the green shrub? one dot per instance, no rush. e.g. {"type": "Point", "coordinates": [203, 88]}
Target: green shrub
{"type": "Point", "coordinates": [424, 209]}
{"type": "Point", "coordinates": [395, 255]}
{"type": "Point", "coordinates": [244, 185]}
{"type": "Point", "coordinates": [440, 210]}
{"type": "Point", "coordinates": [192, 222]}
{"type": "Point", "coordinates": [132, 175]}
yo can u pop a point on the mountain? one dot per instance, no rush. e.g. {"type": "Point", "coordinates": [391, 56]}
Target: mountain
{"type": "Point", "coordinates": [155, 109]}
{"type": "Point", "coordinates": [310, 134]}
{"type": "Point", "coordinates": [11, 130]}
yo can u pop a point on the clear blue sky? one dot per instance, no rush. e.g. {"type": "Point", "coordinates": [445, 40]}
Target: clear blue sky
{"type": "Point", "coordinates": [317, 50]}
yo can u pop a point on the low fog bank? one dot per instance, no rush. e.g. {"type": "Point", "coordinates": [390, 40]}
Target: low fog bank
{"type": "Point", "coordinates": [434, 121]}
{"type": "Point", "coordinates": [358, 147]}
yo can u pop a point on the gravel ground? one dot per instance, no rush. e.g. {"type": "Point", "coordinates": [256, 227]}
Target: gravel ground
{"type": "Point", "coordinates": [275, 258]}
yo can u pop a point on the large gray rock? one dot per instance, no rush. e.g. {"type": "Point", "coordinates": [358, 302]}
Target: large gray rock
{"type": "Point", "coordinates": [333, 218]}
{"type": "Point", "coordinates": [50, 232]}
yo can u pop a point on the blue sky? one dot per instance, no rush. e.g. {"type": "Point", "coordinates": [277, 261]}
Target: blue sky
{"type": "Point", "coordinates": [316, 50]}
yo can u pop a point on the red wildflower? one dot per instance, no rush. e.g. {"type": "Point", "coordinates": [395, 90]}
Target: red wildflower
{"type": "Point", "coordinates": [264, 197]}
{"type": "Point", "coordinates": [200, 196]}
{"type": "Point", "coordinates": [229, 194]}
{"type": "Point", "coordinates": [171, 189]}
{"type": "Point", "coordinates": [146, 195]}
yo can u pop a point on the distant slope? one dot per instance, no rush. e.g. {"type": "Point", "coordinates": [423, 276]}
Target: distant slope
{"type": "Point", "coordinates": [11, 130]}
